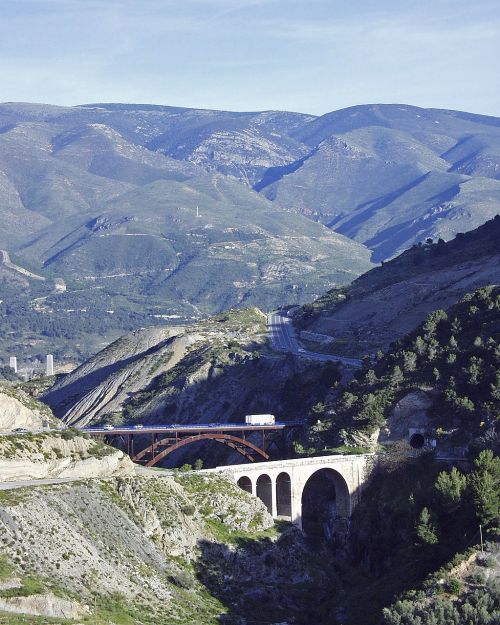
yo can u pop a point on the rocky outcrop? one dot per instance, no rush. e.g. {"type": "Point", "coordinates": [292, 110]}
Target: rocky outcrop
{"type": "Point", "coordinates": [410, 413]}
{"type": "Point", "coordinates": [52, 456]}
{"type": "Point", "coordinates": [18, 410]}
{"type": "Point", "coordinates": [44, 605]}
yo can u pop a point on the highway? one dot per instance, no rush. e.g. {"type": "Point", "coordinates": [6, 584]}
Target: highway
{"type": "Point", "coordinates": [189, 427]}
{"type": "Point", "coordinates": [41, 482]}
{"type": "Point", "coordinates": [51, 481]}
{"type": "Point", "coordinates": [282, 337]}
{"type": "Point", "coordinates": [171, 427]}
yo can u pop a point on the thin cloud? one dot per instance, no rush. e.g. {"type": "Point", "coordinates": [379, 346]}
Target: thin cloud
{"type": "Point", "coordinates": [252, 54]}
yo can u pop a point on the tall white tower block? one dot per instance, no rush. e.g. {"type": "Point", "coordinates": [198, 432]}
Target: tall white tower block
{"type": "Point", "coordinates": [13, 363]}
{"type": "Point", "coordinates": [50, 365]}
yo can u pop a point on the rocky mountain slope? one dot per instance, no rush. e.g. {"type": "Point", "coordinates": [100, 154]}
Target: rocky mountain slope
{"type": "Point", "coordinates": [148, 550]}
{"type": "Point", "coordinates": [104, 199]}
{"type": "Point", "coordinates": [134, 236]}
{"type": "Point", "coordinates": [389, 301]}
{"type": "Point", "coordinates": [216, 371]}
{"type": "Point", "coordinates": [392, 175]}
{"type": "Point", "coordinates": [382, 174]}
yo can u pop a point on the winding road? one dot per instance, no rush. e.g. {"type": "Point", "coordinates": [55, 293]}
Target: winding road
{"type": "Point", "coordinates": [283, 338]}
{"type": "Point", "coordinates": [5, 260]}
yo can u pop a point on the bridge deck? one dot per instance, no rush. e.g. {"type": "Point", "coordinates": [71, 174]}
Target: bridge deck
{"type": "Point", "coordinates": [166, 439]}
{"type": "Point", "coordinates": [192, 427]}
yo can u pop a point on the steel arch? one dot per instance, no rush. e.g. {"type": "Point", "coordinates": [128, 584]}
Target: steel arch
{"type": "Point", "coordinates": [240, 445]}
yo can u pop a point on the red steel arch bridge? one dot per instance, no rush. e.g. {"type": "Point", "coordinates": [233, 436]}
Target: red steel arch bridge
{"type": "Point", "coordinates": [254, 442]}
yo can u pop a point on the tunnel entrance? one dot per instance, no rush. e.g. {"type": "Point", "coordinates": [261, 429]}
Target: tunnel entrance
{"type": "Point", "coordinates": [325, 499]}
{"type": "Point", "coordinates": [245, 484]}
{"type": "Point", "coordinates": [284, 495]}
{"type": "Point", "coordinates": [417, 441]}
{"type": "Point", "coordinates": [265, 491]}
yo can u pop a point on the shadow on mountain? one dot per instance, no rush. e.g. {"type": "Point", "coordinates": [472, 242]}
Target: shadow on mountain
{"type": "Point", "coordinates": [286, 387]}
{"type": "Point", "coordinates": [274, 174]}
{"type": "Point", "coordinates": [81, 385]}
{"type": "Point", "coordinates": [263, 581]}
{"type": "Point", "coordinates": [370, 208]}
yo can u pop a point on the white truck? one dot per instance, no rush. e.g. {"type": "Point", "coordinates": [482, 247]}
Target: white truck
{"type": "Point", "coordinates": [259, 419]}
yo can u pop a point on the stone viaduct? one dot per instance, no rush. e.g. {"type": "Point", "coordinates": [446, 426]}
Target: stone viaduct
{"type": "Point", "coordinates": [302, 490]}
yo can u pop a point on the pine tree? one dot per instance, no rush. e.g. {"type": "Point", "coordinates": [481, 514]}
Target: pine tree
{"type": "Point", "coordinates": [495, 387]}
{"type": "Point", "coordinates": [420, 345]}
{"type": "Point", "coordinates": [456, 326]}
{"type": "Point", "coordinates": [409, 361]}
{"type": "Point", "coordinates": [370, 377]}
{"type": "Point", "coordinates": [425, 528]}
{"type": "Point", "coordinates": [484, 483]}
{"type": "Point", "coordinates": [397, 376]}
{"type": "Point", "coordinates": [450, 488]}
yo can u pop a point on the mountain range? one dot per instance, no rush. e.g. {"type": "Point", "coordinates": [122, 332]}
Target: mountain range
{"type": "Point", "coordinates": [139, 213]}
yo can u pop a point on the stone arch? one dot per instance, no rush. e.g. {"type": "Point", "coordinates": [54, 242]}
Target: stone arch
{"type": "Point", "coordinates": [284, 495]}
{"type": "Point", "coordinates": [264, 491]}
{"type": "Point", "coordinates": [325, 498]}
{"type": "Point", "coordinates": [245, 483]}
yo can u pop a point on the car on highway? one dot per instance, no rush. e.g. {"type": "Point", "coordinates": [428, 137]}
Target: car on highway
{"type": "Point", "coordinates": [20, 430]}
{"type": "Point", "coordinates": [301, 350]}
{"type": "Point", "coordinates": [139, 426]}
{"type": "Point", "coordinates": [108, 427]}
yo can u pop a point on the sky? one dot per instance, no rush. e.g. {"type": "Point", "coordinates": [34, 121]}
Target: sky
{"type": "Point", "coordinates": [312, 56]}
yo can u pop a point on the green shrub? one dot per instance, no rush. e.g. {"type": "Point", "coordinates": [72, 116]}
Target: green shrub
{"type": "Point", "coordinates": [455, 586]}
{"type": "Point", "coordinates": [70, 434]}
{"type": "Point", "coordinates": [188, 509]}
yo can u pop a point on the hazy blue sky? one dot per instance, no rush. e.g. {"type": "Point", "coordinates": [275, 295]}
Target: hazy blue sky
{"type": "Point", "coordinates": [311, 55]}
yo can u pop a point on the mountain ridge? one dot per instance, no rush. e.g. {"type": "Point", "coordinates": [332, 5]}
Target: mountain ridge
{"type": "Point", "coordinates": [185, 212]}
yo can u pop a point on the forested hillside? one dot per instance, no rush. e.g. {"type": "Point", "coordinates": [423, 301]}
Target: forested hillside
{"type": "Point", "coordinates": [453, 357]}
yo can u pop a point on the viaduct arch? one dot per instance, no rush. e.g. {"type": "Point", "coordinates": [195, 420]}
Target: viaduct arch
{"type": "Point", "coordinates": [305, 490]}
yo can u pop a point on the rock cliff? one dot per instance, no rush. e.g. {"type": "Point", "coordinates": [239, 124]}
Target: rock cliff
{"type": "Point", "coordinates": [19, 410]}
{"type": "Point", "coordinates": [59, 455]}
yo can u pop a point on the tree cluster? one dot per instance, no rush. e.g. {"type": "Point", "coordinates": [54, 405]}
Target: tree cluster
{"type": "Point", "coordinates": [455, 353]}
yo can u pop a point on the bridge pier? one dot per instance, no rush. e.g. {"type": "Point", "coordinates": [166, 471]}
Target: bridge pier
{"type": "Point", "coordinates": [274, 508]}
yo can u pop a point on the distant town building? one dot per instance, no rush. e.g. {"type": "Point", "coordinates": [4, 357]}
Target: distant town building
{"type": "Point", "coordinates": [50, 365]}
{"type": "Point", "coordinates": [59, 285]}
{"type": "Point", "coordinates": [13, 363]}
